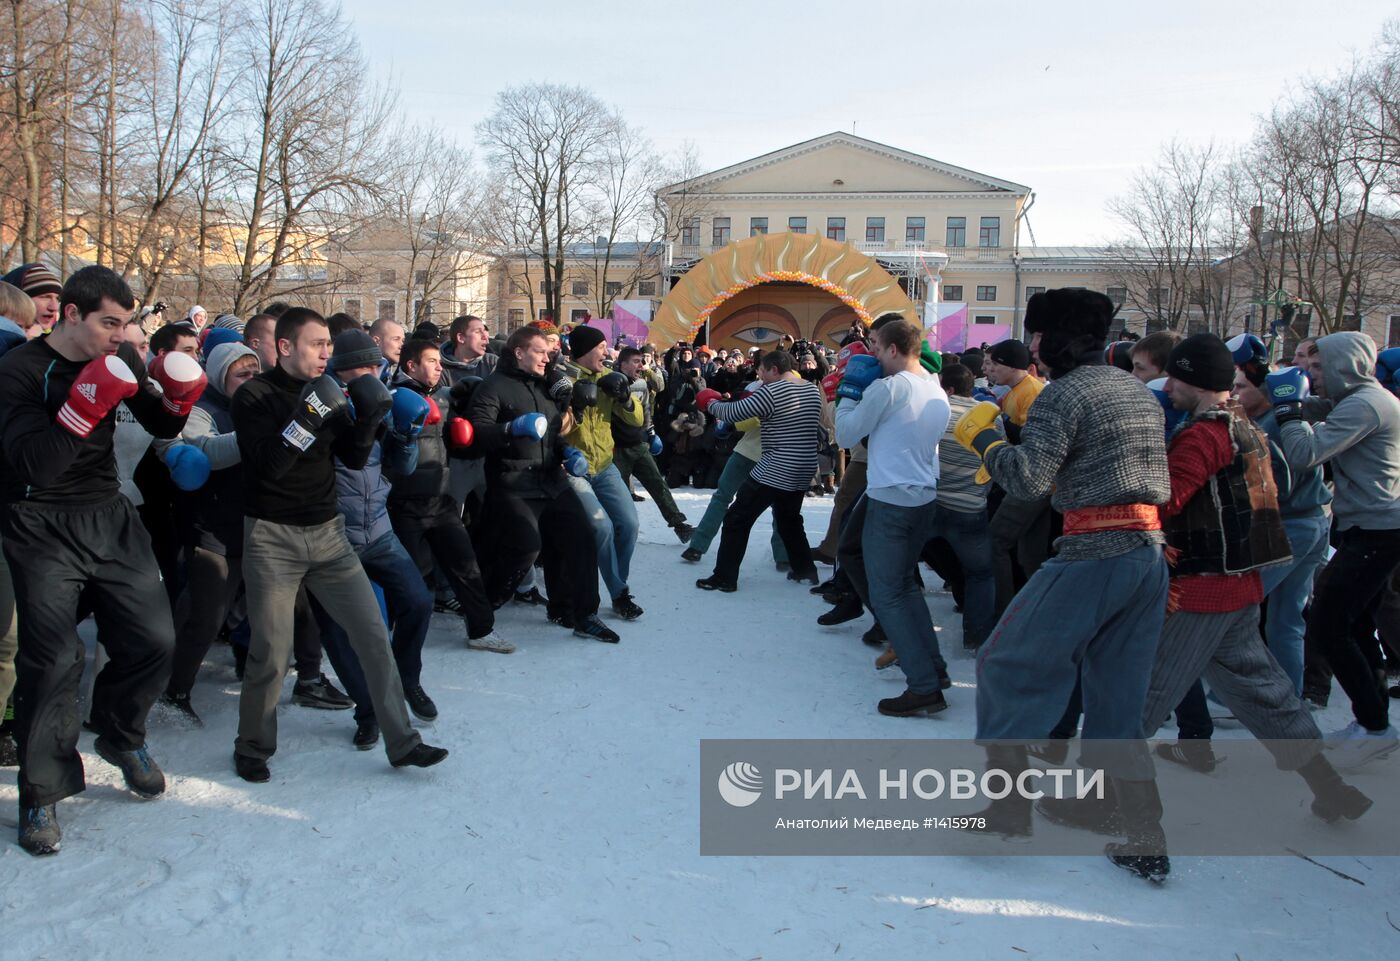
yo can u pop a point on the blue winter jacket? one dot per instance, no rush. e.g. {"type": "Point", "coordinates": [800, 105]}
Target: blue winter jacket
{"type": "Point", "coordinates": [362, 496]}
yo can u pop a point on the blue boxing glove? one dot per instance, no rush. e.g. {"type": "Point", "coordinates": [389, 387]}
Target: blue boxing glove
{"type": "Point", "coordinates": [1388, 369]}
{"type": "Point", "coordinates": [656, 447]}
{"type": "Point", "coordinates": [409, 411]}
{"type": "Point", "coordinates": [575, 462]}
{"type": "Point", "coordinates": [1287, 389]}
{"type": "Point", "coordinates": [529, 425]}
{"type": "Point", "coordinates": [189, 467]}
{"type": "Point", "coordinates": [862, 370]}
{"type": "Point", "coordinates": [723, 429]}
{"type": "Point", "coordinates": [1245, 348]}
{"type": "Point", "coordinates": [984, 394]}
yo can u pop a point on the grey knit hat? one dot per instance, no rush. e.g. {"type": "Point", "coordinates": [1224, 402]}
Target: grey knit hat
{"type": "Point", "coordinates": [355, 348]}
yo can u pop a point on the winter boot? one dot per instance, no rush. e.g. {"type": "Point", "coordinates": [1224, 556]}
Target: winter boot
{"type": "Point", "coordinates": [848, 609]}
{"type": "Point", "coordinates": [909, 704]}
{"type": "Point", "coordinates": [1145, 851]}
{"type": "Point", "coordinates": [887, 659]}
{"type": "Point", "coordinates": [39, 833]}
{"type": "Point", "coordinates": [420, 703]}
{"type": "Point", "coordinates": [683, 531]}
{"type": "Point", "coordinates": [1100, 815]}
{"type": "Point", "coordinates": [625, 607]}
{"type": "Point", "coordinates": [1333, 798]}
{"type": "Point", "coordinates": [251, 769]}
{"type": "Point", "coordinates": [692, 555]}
{"type": "Point", "coordinates": [1009, 817]}
{"type": "Point", "coordinates": [875, 636]}
{"type": "Point", "coordinates": [180, 704]}
{"type": "Point", "coordinates": [1052, 751]}
{"type": "Point", "coordinates": [140, 770]}
{"type": "Point", "coordinates": [366, 734]}
{"type": "Point", "coordinates": [713, 583]}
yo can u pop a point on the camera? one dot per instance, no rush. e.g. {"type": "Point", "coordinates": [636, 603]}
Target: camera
{"type": "Point", "coordinates": [158, 307]}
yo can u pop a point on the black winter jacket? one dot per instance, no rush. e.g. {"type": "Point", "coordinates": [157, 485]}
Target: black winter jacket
{"type": "Point", "coordinates": [524, 466]}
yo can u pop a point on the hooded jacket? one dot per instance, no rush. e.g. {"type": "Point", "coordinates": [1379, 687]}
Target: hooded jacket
{"type": "Point", "coordinates": [454, 370]}
{"type": "Point", "coordinates": [421, 492]}
{"type": "Point", "coordinates": [218, 505]}
{"type": "Point", "coordinates": [362, 496]}
{"type": "Point", "coordinates": [1359, 433]}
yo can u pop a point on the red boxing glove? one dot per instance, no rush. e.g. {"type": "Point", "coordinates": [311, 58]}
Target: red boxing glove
{"type": "Point", "coordinates": [182, 380]}
{"type": "Point", "coordinates": [459, 432]}
{"type": "Point", "coordinates": [830, 382]}
{"type": "Point", "coordinates": [101, 385]}
{"type": "Point", "coordinates": [434, 414]}
{"type": "Point", "coordinates": [705, 398]}
{"type": "Point", "coordinates": [849, 351]}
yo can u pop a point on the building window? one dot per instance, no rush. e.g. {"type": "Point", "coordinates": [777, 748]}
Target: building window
{"type": "Point", "coordinates": [422, 310]}
{"type": "Point", "coordinates": [1393, 334]}
{"type": "Point", "coordinates": [1119, 295]}
{"type": "Point", "coordinates": [719, 236]}
{"type": "Point", "coordinates": [1032, 291]}
{"type": "Point", "coordinates": [989, 234]}
{"type": "Point", "coordinates": [579, 288]}
{"type": "Point", "coordinates": [914, 230]}
{"type": "Point", "coordinates": [957, 232]}
{"type": "Point", "coordinates": [352, 307]}
{"type": "Point", "coordinates": [758, 225]}
{"type": "Point", "coordinates": [388, 277]}
{"type": "Point", "coordinates": [1350, 322]}
{"type": "Point", "coordinates": [986, 292]}
{"type": "Point", "coordinates": [797, 225]}
{"type": "Point", "coordinates": [984, 319]}
{"type": "Point", "coordinates": [836, 228]}
{"type": "Point", "coordinates": [952, 292]}
{"type": "Point", "coordinates": [240, 247]}
{"type": "Point", "coordinates": [516, 317]}
{"type": "Point", "coordinates": [875, 230]}
{"type": "Point", "coordinates": [1159, 296]}
{"type": "Point", "coordinates": [647, 288]}
{"type": "Point", "coordinates": [216, 244]}
{"type": "Point", "coordinates": [578, 315]}
{"type": "Point", "coordinates": [612, 288]}
{"type": "Point", "coordinates": [420, 278]}
{"type": "Point", "coordinates": [388, 310]}
{"type": "Point", "coordinates": [544, 314]}
{"type": "Point", "coordinates": [690, 233]}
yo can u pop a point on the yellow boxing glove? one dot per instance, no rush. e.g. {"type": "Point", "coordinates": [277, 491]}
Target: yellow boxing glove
{"type": "Point", "coordinates": [979, 430]}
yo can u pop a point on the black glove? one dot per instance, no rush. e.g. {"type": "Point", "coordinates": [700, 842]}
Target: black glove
{"type": "Point", "coordinates": [585, 396]}
{"type": "Point", "coordinates": [370, 400]}
{"type": "Point", "coordinates": [461, 395]}
{"type": "Point", "coordinates": [617, 386]}
{"type": "Point", "coordinates": [559, 388]}
{"type": "Point", "coordinates": [322, 409]}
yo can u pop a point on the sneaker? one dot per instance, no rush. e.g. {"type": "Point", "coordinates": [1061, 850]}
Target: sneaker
{"type": "Point", "coordinates": [909, 704]}
{"type": "Point", "coordinates": [683, 531]}
{"type": "Point", "coordinates": [321, 694]}
{"type": "Point", "coordinates": [251, 769]}
{"type": "Point", "coordinates": [491, 642]}
{"type": "Point", "coordinates": [532, 596]}
{"type": "Point", "coordinates": [875, 636]}
{"type": "Point", "coordinates": [366, 734]}
{"type": "Point", "coordinates": [562, 618]}
{"type": "Point", "coordinates": [420, 703]}
{"type": "Point", "coordinates": [180, 704]}
{"type": "Point", "coordinates": [848, 609]}
{"type": "Point", "coordinates": [39, 833]}
{"type": "Point", "coordinates": [140, 770]}
{"type": "Point", "coordinates": [713, 583]}
{"type": "Point", "coordinates": [447, 605]}
{"type": "Point", "coordinates": [1195, 753]}
{"type": "Point", "coordinates": [593, 626]}
{"type": "Point", "coordinates": [422, 755]}
{"type": "Point", "coordinates": [625, 607]}
{"type": "Point", "coordinates": [1053, 751]}
{"type": "Point", "coordinates": [805, 577]}
{"type": "Point", "coordinates": [887, 659]}
{"type": "Point", "coordinates": [692, 555]}
{"type": "Point", "coordinates": [1354, 745]}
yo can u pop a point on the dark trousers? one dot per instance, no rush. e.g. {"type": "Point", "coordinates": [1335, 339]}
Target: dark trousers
{"type": "Point", "coordinates": [637, 460]}
{"type": "Point", "coordinates": [55, 556]}
{"type": "Point", "coordinates": [440, 542]}
{"type": "Point", "coordinates": [555, 529]}
{"type": "Point", "coordinates": [751, 501]}
{"type": "Point", "coordinates": [212, 581]}
{"type": "Point", "coordinates": [1338, 621]}
{"type": "Point", "coordinates": [1020, 544]}
{"type": "Point", "coordinates": [1193, 721]}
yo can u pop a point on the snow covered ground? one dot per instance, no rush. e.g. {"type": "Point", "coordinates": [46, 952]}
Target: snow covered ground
{"type": "Point", "coordinates": [565, 823]}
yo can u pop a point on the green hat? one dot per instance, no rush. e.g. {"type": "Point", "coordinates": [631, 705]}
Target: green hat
{"type": "Point", "coordinates": [931, 359]}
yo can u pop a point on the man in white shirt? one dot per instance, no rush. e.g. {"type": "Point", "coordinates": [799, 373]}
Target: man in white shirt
{"type": "Point", "coordinates": [890, 401]}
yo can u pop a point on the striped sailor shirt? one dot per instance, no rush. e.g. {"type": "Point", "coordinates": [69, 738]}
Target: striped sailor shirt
{"type": "Point", "coordinates": [789, 413]}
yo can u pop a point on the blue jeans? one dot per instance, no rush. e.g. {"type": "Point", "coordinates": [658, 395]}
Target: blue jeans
{"type": "Point", "coordinates": [1288, 587]}
{"type": "Point", "coordinates": [611, 511]}
{"type": "Point", "coordinates": [969, 534]}
{"type": "Point", "coordinates": [1095, 620]}
{"type": "Point", "coordinates": [892, 540]}
{"type": "Point", "coordinates": [410, 608]}
{"type": "Point", "coordinates": [736, 471]}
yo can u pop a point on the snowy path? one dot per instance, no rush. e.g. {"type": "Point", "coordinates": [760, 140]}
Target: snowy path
{"type": "Point", "coordinates": [565, 824]}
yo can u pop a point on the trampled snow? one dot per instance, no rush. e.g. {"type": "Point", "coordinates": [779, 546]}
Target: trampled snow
{"type": "Point", "coordinates": [565, 823]}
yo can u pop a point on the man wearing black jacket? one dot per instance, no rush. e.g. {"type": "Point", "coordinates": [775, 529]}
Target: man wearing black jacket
{"type": "Point", "coordinates": [291, 421]}
{"type": "Point", "coordinates": [69, 532]}
{"type": "Point", "coordinates": [533, 509]}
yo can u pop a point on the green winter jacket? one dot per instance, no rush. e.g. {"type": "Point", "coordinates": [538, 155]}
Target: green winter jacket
{"type": "Point", "coordinates": [593, 432]}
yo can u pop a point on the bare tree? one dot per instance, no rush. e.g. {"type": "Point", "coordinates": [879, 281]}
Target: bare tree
{"type": "Point", "coordinates": [627, 174]}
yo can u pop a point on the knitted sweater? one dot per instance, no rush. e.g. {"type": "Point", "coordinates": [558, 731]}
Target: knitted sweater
{"type": "Point", "coordinates": [1093, 438]}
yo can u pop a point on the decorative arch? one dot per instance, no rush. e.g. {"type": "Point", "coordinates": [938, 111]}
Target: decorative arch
{"type": "Point", "coordinates": [835, 267]}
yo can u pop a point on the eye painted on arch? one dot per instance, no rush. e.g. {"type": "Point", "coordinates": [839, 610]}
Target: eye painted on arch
{"type": "Point", "coordinates": [758, 335]}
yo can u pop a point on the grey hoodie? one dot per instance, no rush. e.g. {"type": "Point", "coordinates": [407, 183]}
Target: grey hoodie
{"type": "Point", "coordinates": [1359, 434]}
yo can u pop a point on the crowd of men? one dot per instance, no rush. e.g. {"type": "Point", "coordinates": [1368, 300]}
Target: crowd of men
{"type": "Point", "coordinates": [1110, 518]}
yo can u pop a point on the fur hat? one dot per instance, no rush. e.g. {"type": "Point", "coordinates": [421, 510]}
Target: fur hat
{"type": "Point", "coordinates": [1072, 324]}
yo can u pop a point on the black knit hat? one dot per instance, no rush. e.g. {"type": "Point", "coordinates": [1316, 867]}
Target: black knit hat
{"type": "Point", "coordinates": [583, 339]}
{"type": "Point", "coordinates": [1011, 353]}
{"type": "Point", "coordinates": [1202, 360]}
{"type": "Point", "coordinates": [355, 348]}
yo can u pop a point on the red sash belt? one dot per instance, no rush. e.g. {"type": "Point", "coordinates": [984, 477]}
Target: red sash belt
{"type": "Point", "coordinates": [1114, 517]}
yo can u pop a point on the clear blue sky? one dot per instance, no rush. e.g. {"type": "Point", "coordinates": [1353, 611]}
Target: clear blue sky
{"type": "Point", "coordinates": [1068, 98]}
